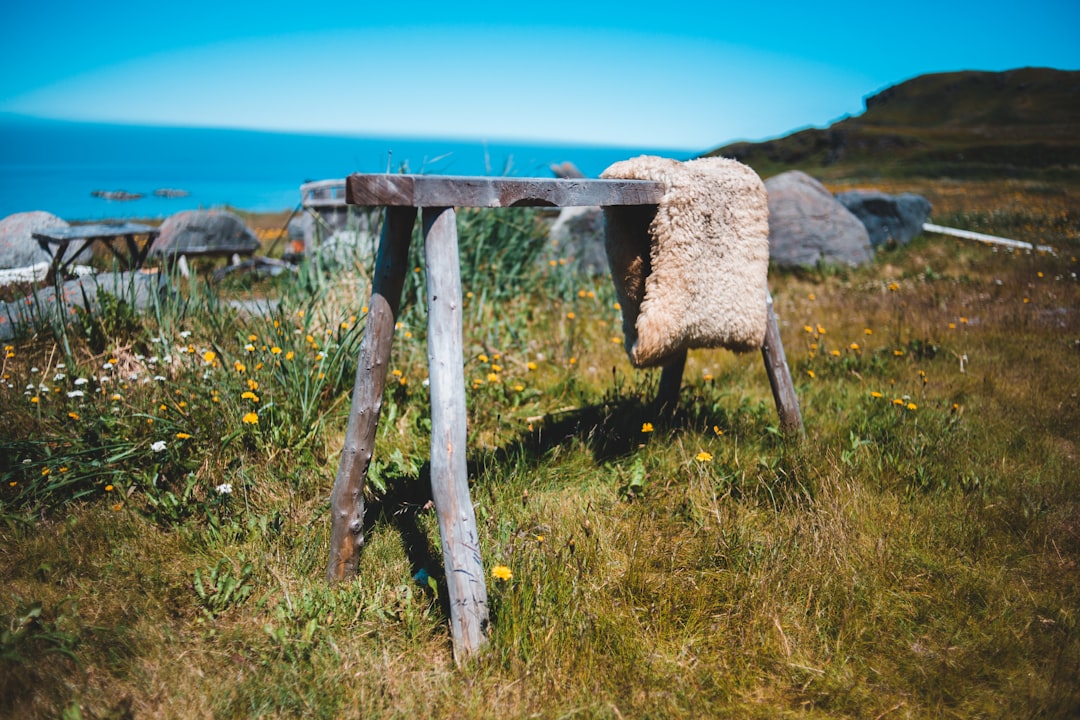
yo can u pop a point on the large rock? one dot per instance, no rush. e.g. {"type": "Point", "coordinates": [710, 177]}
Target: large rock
{"type": "Point", "coordinates": [133, 287]}
{"type": "Point", "coordinates": [807, 225]}
{"type": "Point", "coordinates": [889, 220]}
{"type": "Point", "coordinates": [577, 235]}
{"type": "Point", "coordinates": [18, 248]}
{"type": "Point", "coordinates": [204, 232]}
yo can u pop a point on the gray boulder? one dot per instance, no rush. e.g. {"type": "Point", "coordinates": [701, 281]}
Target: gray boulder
{"type": "Point", "coordinates": [205, 232]}
{"type": "Point", "coordinates": [807, 225]}
{"type": "Point", "coordinates": [44, 306]}
{"type": "Point", "coordinates": [578, 236]}
{"type": "Point", "coordinates": [18, 248]}
{"type": "Point", "coordinates": [889, 219]}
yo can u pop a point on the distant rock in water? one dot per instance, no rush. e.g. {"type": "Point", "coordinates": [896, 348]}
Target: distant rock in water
{"type": "Point", "coordinates": [566, 170]}
{"type": "Point", "coordinates": [18, 248]}
{"type": "Point", "coordinates": [888, 219]}
{"type": "Point", "coordinates": [204, 232]}
{"type": "Point", "coordinates": [171, 193]}
{"type": "Point", "coordinates": [807, 225]}
{"type": "Point", "coordinates": [116, 195]}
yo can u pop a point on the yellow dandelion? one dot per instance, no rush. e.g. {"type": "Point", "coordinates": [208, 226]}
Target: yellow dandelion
{"type": "Point", "coordinates": [275, 350]}
{"type": "Point", "coordinates": [501, 572]}
{"type": "Point", "coordinates": [493, 377]}
{"type": "Point", "coordinates": [854, 346]}
{"type": "Point", "coordinates": [519, 388]}
{"type": "Point", "coordinates": [646, 427]}
{"type": "Point", "coordinates": [952, 326]}
{"type": "Point", "coordinates": [117, 507]}
{"type": "Point", "coordinates": [898, 353]}
{"type": "Point", "coordinates": [182, 436]}
{"type": "Point", "coordinates": [531, 366]}
{"type": "Point", "coordinates": [897, 401]}
{"type": "Point", "coordinates": [894, 286]}
{"type": "Point", "coordinates": [704, 456]}
{"type": "Point", "coordinates": [808, 328]}
{"type": "Point", "coordinates": [252, 384]}
{"type": "Point", "coordinates": [820, 329]}
{"type": "Point", "coordinates": [209, 356]}
{"type": "Point", "coordinates": [250, 419]}
{"type": "Point", "coordinates": [834, 353]}
{"type": "Point", "coordinates": [867, 331]}
{"type": "Point", "coordinates": [108, 488]}
{"type": "Point", "coordinates": [875, 394]}
{"type": "Point", "coordinates": [116, 397]}
{"type": "Point", "coordinates": [570, 316]}
{"type": "Point", "coordinates": [573, 361]}
{"type": "Point", "coordinates": [716, 429]}
{"type": "Point", "coordinates": [811, 297]}
{"type": "Point", "coordinates": [290, 355]}
{"type": "Point", "coordinates": [912, 406]}
{"type": "Point", "coordinates": [395, 372]}
{"type": "Point", "coordinates": [45, 471]}
{"type": "Point", "coordinates": [248, 395]}
{"type": "Point", "coordinates": [617, 306]}
{"type": "Point", "coordinates": [252, 338]}
{"type": "Point", "coordinates": [963, 321]}
{"type": "Point", "coordinates": [73, 415]}
{"type": "Point", "coordinates": [810, 373]}
{"type": "Point", "coordinates": [35, 399]}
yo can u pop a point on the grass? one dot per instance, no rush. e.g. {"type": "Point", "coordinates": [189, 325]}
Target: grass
{"type": "Point", "coordinates": [914, 557]}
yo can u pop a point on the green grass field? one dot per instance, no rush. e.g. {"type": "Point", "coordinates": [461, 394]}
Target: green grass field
{"type": "Point", "coordinates": [166, 480]}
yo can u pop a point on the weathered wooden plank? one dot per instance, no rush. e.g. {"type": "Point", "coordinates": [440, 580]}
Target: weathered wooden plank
{"type": "Point", "coordinates": [466, 585]}
{"type": "Point", "coordinates": [457, 191]}
{"type": "Point", "coordinates": [347, 501]}
{"type": "Point", "coordinates": [787, 403]}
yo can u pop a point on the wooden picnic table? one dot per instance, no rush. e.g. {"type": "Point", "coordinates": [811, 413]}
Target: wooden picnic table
{"type": "Point", "coordinates": [131, 253]}
{"type": "Point", "coordinates": [436, 197]}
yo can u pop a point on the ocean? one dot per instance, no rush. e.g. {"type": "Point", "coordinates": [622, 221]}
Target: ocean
{"type": "Point", "coordinates": [56, 166]}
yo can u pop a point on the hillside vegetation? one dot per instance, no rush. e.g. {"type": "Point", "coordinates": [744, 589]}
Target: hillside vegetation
{"type": "Point", "coordinates": [1022, 124]}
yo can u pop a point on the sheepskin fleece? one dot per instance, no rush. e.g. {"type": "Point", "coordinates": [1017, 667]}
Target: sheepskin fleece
{"type": "Point", "coordinates": [692, 274]}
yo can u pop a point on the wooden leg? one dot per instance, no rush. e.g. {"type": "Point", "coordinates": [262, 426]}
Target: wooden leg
{"type": "Point", "coordinates": [787, 403]}
{"type": "Point", "coordinates": [347, 502]}
{"type": "Point", "coordinates": [466, 585]}
{"type": "Point", "coordinates": [667, 397]}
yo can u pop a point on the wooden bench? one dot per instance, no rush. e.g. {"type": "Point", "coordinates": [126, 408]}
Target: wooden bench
{"type": "Point", "coordinates": [131, 254]}
{"type": "Point", "coordinates": [436, 197]}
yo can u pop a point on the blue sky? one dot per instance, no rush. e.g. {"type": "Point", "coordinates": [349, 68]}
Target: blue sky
{"type": "Point", "coordinates": [680, 75]}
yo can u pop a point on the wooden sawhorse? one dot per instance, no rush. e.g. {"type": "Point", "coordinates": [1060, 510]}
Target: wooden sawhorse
{"type": "Point", "coordinates": [436, 197]}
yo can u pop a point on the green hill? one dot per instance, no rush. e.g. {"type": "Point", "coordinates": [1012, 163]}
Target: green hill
{"type": "Point", "coordinates": [1021, 123]}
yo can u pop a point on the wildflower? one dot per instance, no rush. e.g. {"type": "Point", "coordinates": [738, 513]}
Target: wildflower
{"type": "Point", "coordinates": [159, 446]}
{"type": "Point", "coordinates": [159, 378]}
{"type": "Point", "coordinates": [963, 321]}
{"type": "Point", "coordinates": [539, 538]}
{"type": "Point", "coordinates": [75, 393]}
{"type": "Point", "coordinates": [808, 328]}
{"type": "Point", "coordinates": [501, 572]}
{"type": "Point", "coordinates": [35, 399]}
{"type": "Point", "coordinates": [185, 334]}
{"type": "Point", "coordinates": [573, 361]}
{"type": "Point", "coordinates": [952, 326]}
{"type": "Point", "coordinates": [646, 427]}
{"type": "Point", "coordinates": [182, 436]}
{"type": "Point", "coordinates": [250, 419]}
{"type": "Point", "coordinates": [704, 456]}
{"type": "Point", "coordinates": [252, 384]}
{"type": "Point", "coordinates": [617, 306]}
{"type": "Point", "coordinates": [820, 329]}
{"type": "Point", "coordinates": [875, 394]}
{"type": "Point", "coordinates": [854, 346]}
{"type": "Point", "coordinates": [116, 397]}
{"type": "Point", "coordinates": [81, 381]}
{"type": "Point", "coordinates": [395, 372]}
{"type": "Point", "coordinates": [224, 489]}
{"type": "Point", "coordinates": [248, 395]}
{"type": "Point", "coordinates": [519, 388]}
{"type": "Point", "coordinates": [73, 415]}
{"type": "Point", "coordinates": [707, 377]}
{"type": "Point", "coordinates": [289, 355]}
{"type": "Point", "coordinates": [249, 347]}
{"type": "Point", "coordinates": [898, 353]}
{"type": "Point", "coordinates": [716, 429]}
{"type": "Point", "coordinates": [570, 316]}
{"type": "Point", "coordinates": [108, 488]}
{"type": "Point", "coordinates": [117, 507]}
{"type": "Point", "coordinates": [811, 297]}
{"type": "Point", "coordinates": [531, 366]}
{"type": "Point", "coordinates": [45, 471]}
{"type": "Point", "coordinates": [810, 373]}
{"type": "Point", "coordinates": [209, 356]}
{"type": "Point", "coordinates": [239, 366]}
{"type": "Point", "coordinates": [893, 286]}
{"type": "Point", "coordinates": [834, 353]}
{"type": "Point", "coordinates": [867, 331]}
{"type": "Point", "coordinates": [252, 338]}
{"type": "Point", "coordinates": [897, 401]}
{"type": "Point", "coordinates": [493, 377]}
{"type": "Point", "coordinates": [912, 406]}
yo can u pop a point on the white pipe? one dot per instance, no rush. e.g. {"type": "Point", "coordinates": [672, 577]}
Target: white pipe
{"type": "Point", "coordinates": [969, 235]}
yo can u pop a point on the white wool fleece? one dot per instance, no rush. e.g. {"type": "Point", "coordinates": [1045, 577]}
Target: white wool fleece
{"type": "Point", "coordinates": [694, 274]}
